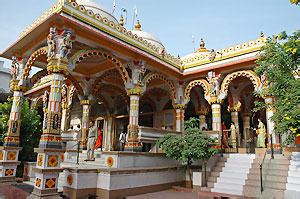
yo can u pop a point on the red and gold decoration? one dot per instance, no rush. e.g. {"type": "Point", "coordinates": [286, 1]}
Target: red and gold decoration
{"type": "Point", "coordinates": [26, 171]}
{"type": "Point", "coordinates": [1, 155]}
{"type": "Point", "coordinates": [110, 161]}
{"type": "Point", "coordinates": [11, 155]}
{"type": "Point", "coordinates": [9, 172]}
{"type": "Point", "coordinates": [52, 161]}
{"type": "Point", "coordinates": [70, 179]}
{"type": "Point", "coordinates": [62, 156]}
{"type": "Point", "coordinates": [50, 183]}
{"type": "Point", "coordinates": [38, 182]}
{"type": "Point", "coordinates": [40, 160]}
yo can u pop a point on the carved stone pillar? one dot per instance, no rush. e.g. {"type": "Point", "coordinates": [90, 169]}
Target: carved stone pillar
{"type": "Point", "coordinates": [179, 108]}
{"type": "Point", "coordinates": [133, 144]}
{"type": "Point", "coordinates": [9, 152]}
{"type": "Point", "coordinates": [49, 153]}
{"type": "Point", "coordinates": [86, 106]}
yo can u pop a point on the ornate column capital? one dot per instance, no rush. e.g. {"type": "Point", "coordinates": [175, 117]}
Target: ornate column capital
{"type": "Point", "coordinates": [86, 102]}
{"type": "Point", "coordinates": [14, 86]}
{"type": "Point", "coordinates": [215, 100]}
{"type": "Point", "coordinates": [246, 114]}
{"type": "Point", "coordinates": [180, 106]}
{"type": "Point", "coordinates": [236, 108]}
{"type": "Point", "coordinates": [135, 91]}
{"type": "Point", "coordinates": [203, 112]}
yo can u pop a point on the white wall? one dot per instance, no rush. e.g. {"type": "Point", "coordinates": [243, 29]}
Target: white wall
{"type": "Point", "coordinates": [4, 78]}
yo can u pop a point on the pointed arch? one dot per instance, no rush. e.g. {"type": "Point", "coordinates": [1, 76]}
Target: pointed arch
{"type": "Point", "coordinates": [38, 76]}
{"type": "Point", "coordinates": [32, 59]}
{"type": "Point", "coordinates": [156, 75]}
{"type": "Point", "coordinates": [243, 73]}
{"type": "Point", "coordinates": [82, 54]}
{"type": "Point", "coordinates": [199, 82]}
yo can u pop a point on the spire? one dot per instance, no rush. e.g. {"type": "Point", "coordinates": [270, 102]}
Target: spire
{"type": "Point", "coordinates": [202, 44]}
{"type": "Point", "coordinates": [261, 34]}
{"type": "Point", "coordinates": [121, 21]}
{"type": "Point", "coordinates": [137, 25]}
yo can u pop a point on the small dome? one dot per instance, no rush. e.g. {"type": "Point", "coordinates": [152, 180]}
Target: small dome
{"type": "Point", "coordinates": [147, 36]}
{"type": "Point", "coordinates": [97, 9]}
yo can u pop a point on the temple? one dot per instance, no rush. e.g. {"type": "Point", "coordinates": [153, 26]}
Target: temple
{"type": "Point", "coordinates": [94, 69]}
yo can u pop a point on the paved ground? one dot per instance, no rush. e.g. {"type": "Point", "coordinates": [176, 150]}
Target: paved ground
{"type": "Point", "coordinates": [18, 191]}
{"type": "Point", "coordinates": [168, 194]}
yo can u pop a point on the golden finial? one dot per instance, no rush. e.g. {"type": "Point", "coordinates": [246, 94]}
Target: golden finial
{"type": "Point", "coordinates": [137, 25]}
{"type": "Point", "coordinates": [202, 44]}
{"type": "Point", "coordinates": [121, 21]}
{"type": "Point", "coordinates": [261, 34]}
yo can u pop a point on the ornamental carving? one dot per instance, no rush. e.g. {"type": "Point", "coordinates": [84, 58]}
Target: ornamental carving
{"type": "Point", "coordinates": [214, 85]}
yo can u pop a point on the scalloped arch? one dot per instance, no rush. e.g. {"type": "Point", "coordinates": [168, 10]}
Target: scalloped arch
{"type": "Point", "coordinates": [121, 91]}
{"type": "Point", "coordinates": [243, 73]}
{"type": "Point", "coordinates": [32, 59]}
{"type": "Point", "coordinates": [38, 76]}
{"type": "Point", "coordinates": [37, 100]}
{"type": "Point", "coordinates": [198, 82]}
{"type": "Point", "coordinates": [82, 54]}
{"type": "Point", "coordinates": [155, 75]}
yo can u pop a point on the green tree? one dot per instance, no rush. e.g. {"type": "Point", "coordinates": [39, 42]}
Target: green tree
{"type": "Point", "coordinates": [191, 146]}
{"type": "Point", "coordinates": [30, 132]}
{"type": "Point", "coordinates": [278, 65]}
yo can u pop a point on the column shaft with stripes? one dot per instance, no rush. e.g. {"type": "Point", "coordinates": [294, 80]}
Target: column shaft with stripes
{"type": "Point", "coordinates": [216, 115]}
{"type": "Point", "coordinates": [132, 130]}
{"type": "Point", "coordinates": [180, 108]}
{"type": "Point", "coordinates": [50, 152]}
{"type": "Point", "coordinates": [246, 125]}
{"type": "Point", "coordinates": [86, 106]}
{"type": "Point", "coordinates": [202, 117]}
{"type": "Point", "coordinates": [234, 112]}
{"type": "Point", "coordinates": [9, 152]}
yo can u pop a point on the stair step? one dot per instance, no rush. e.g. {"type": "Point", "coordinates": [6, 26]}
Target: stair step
{"type": "Point", "coordinates": [291, 194]}
{"type": "Point", "coordinates": [212, 179]}
{"type": "Point", "coordinates": [227, 191]}
{"type": "Point", "coordinates": [292, 186]}
{"type": "Point", "coordinates": [229, 186]}
{"type": "Point", "coordinates": [238, 181]}
{"type": "Point", "coordinates": [235, 170]}
{"type": "Point", "coordinates": [274, 185]}
{"type": "Point", "coordinates": [233, 175]}
{"type": "Point", "coordinates": [252, 191]}
{"type": "Point", "coordinates": [272, 193]}
{"type": "Point", "coordinates": [240, 165]}
{"type": "Point", "coordinates": [294, 173]}
{"type": "Point", "coordinates": [294, 180]}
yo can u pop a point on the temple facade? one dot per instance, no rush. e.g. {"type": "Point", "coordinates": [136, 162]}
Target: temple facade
{"type": "Point", "coordinates": [94, 69]}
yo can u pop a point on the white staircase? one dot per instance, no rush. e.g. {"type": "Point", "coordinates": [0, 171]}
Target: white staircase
{"type": "Point", "coordinates": [72, 162]}
{"type": "Point", "coordinates": [233, 176]}
{"type": "Point", "coordinates": [293, 180]}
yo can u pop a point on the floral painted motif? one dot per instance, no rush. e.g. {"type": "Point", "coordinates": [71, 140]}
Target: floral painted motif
{"type": "Point", "coordinates": [11, 155]}
{"type": "Point", "coordinates": [50, 183]}
{"type": "Point", "coordinates": [52, 161]}
{"type": "Point", "coordinates": [62, 157]}
{"type": "Point", "coordinates": [38, 182]}
{"type": "Point", "coordinates": [70, 179]}
{"type": "Point", "coordinates": [9, 172]}
{"type": "Point", "coordinates": [26, 171]}
{"type": "Point", "coordinates": [110, 161]}
{"type": "Point", "coordinates": [40, 160]}
{"type": "Point", "coordinates": [1, 155]}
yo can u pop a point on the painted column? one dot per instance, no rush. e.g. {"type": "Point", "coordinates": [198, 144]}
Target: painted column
{"type": "Point", "coordinates": [64, 118]}
{"type": "Point", "coordinates": [234, 112]}
{"type": "Point", "coordinates": [270, 123]}
{"type": "Point", "coordinates": [246, 125]}
{"type": "Point", "coordinates": [86, 106]}
{"type": "Point", "coordinates": [180, 108]}
{"type": "Point", "coordinates": [9, 152]}
{"type": "Point", "coordinates": [216, 114]}
{"type": "Point", "coordinates": [133, 144]}
{"type": "Point", "coordinates": [50, 153]}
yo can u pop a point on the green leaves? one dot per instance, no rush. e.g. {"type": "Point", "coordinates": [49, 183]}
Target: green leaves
{"type": "Point", "coordinates": [279, 61]}
{"type": "Point", "coordinates": [192, 146]}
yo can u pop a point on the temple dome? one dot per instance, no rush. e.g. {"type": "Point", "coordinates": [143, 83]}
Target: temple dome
{"type": "Point", "coordinates": [97, 9]}
{"type": "Point", "coordinates": [147, 36]}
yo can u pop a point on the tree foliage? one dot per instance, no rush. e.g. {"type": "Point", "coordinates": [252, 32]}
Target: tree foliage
{"type": "Point", "coordinates": [279, 63]}
{"type": "Point", "coordinates": [30, 131]}
{"type": "Point", "coordinates": [191, 146]}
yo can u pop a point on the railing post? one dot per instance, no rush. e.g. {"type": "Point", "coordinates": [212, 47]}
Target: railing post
{"type": "Point", "coordinates": [261, 181]}
{"type": "Point", "coordinates": [272, 150]}
{"type": "Point", "coordinates": [222, 144]}
{"type": "Point", "coordinates": [237, 145]}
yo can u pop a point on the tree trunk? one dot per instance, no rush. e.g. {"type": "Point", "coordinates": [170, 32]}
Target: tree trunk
{"type": "Point", "coordinates": [205, 181]}
{"type": "Point", "coordinates": [190, 177]}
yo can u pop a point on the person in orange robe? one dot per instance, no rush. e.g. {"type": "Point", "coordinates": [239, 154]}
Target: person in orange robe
{"type": "Point", "coordinates": [99, 140]}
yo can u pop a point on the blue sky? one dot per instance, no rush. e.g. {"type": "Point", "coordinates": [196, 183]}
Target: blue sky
{"type": "Point", "coordinates": [221, 23]}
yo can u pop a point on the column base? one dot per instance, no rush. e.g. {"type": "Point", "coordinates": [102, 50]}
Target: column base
{"type": "Point", "coordinates": [8, 179]}
{"type": "Point", "coordinates": [50, 141]}
{"type": "Point", "coordinates": [49, 194]}
{"type": "Point", "coordinates": [133, 147]}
